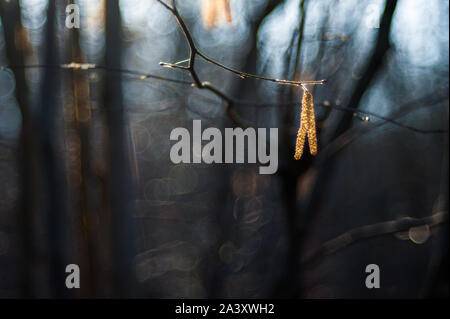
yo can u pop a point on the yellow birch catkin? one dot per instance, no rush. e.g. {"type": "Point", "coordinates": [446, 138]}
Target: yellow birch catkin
{"type": "Point", "coordinates": [312, 134]}
{"type": "Point", "coordinates": [307, 127]}
{"type": "Point", "coordinates": [301, 135]}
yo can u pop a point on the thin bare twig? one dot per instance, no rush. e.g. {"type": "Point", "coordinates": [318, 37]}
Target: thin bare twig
{"type": "Point", "coordinates": [354, 133]}
{"type": "Point", "coordinates": [191, 64]}
{"type": "Point", "coordinates": [194, 52]}
{"type": "Point", "coordinates": [370, 114]}
{"type": "Point", "coordinates": [208, 86]}
{"type": "Point", "coordinates": [90, 66]}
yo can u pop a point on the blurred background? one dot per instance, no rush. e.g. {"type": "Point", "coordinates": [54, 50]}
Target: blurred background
{"type": "Point", "coordinates": [86, 177]}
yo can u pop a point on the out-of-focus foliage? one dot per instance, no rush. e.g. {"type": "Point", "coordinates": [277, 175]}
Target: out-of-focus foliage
{"type": "Point", "coordinates": [224, 230]}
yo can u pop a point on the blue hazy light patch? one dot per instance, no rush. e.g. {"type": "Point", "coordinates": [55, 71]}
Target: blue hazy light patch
{"type": "Point", "coordinates": [10, 120]}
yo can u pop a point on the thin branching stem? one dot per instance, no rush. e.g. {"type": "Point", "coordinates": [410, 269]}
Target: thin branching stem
{"type": "Point", "coordinates": [257, 77]}
{"type": "Point", "coordinates": [375, 230]}
{"type": "Point", "coordinates": [194, 52]}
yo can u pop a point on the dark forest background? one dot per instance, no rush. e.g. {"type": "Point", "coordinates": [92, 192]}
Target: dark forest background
{"type": "Point", "coordinates": [86, 177]}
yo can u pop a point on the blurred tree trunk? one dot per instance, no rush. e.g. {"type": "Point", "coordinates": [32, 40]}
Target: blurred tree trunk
{"type": "Point", "coordinates": [120, 185]}
{"type": "Point", "coordinates": [52, 165]}
{"type": "Point", "coordinates": [12, 25]}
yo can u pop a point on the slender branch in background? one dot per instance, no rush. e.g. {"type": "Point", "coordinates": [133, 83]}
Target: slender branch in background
{"type": "Point", "coordinates": [207, 85]}
{"type": "Point", "coordinates": [354, 133]}
{"type": "Point", "coordinates": [375, 63]}
{"type": "Point", "coordinates": [370, 231]}
{"type": "Point", "coordinates": [387, 119]}
{"type": "Point", "coordinates": [90, 66]}
{"type": "Point", "coordinates": [301, 29]}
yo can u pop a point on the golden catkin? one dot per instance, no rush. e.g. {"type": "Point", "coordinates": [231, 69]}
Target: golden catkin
{"type": "Point", "coordinates": [301, 135]}
{"type": "Point", "coordinates": [307, 127]}
{"type": "Point", "coordinates": [312, 134]}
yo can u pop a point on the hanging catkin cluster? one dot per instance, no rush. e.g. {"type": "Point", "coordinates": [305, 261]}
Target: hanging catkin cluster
{"type": "Point", "coordinates": [307, 127]}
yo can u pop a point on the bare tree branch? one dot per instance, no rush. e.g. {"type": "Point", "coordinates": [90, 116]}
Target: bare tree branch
{"type": "Point", "coordinates": [354, 133]}
{"type": "Point", "coordinates": [194, 51]}
{"type": "Point", "coordinates": [370, 231]}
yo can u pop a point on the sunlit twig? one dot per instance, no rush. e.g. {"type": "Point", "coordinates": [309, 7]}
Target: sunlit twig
{"type": "Point", "coordinates": [194, 51]}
